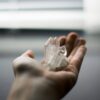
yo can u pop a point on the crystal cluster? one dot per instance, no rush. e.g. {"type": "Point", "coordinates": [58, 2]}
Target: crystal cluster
{"type": "Point", "coordinates": [55, 55]}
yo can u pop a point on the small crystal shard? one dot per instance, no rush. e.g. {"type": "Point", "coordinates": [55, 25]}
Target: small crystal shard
{"type": "Point", "coordinates": [55, 55]}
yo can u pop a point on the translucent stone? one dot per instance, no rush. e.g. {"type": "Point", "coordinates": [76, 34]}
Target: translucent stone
{"type": "Point", "coordinates": [55, 55]}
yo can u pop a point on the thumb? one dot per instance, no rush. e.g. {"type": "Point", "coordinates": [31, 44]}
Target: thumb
{"type": "Point", "coordinates": [28, 53]}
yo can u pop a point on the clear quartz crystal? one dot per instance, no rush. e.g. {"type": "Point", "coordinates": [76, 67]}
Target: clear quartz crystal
{"type": "Point", "coordinates": [55, 55]}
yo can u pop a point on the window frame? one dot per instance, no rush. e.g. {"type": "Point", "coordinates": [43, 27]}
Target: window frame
{"type": "Point", "coordinates": [42, 5]}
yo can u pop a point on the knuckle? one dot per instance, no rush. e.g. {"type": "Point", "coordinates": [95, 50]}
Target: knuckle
{"type": "Point", "coordinates": [20, 65]}
{"type": "Point", "coordinates": [72, 69]}
{"type": "Point", "coordinates": [25, 65]}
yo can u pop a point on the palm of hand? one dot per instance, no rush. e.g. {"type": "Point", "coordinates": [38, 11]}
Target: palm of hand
{"type": "Point", "coordinates": [63, 80]}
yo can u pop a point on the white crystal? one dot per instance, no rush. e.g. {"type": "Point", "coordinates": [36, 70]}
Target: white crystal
{"type": "Point", "coordinates": [55, 55]}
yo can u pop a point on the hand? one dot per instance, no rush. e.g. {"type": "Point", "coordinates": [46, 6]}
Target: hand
{"type": "Point", "coordinates": [36, 83]}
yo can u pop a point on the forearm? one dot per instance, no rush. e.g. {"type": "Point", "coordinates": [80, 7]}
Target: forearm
{"type": "Point", "coordinates": [29, 89]}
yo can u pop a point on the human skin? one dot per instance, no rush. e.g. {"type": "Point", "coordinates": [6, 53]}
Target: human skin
{"type": "Point", "coordinates": [34, 82]}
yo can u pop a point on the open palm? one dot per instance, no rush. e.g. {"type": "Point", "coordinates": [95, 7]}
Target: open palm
{"type": "Point", "coordinates": [67, 78]}
{"type": "Point", "coordinates": [59, 82]}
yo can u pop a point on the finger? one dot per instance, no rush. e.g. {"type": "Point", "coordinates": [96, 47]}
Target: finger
{"type": "Point", "coordinates": [77, 59]}
{"type": "Point", "coordinates": [79, 42]}
{"type": "Point", "coordinates": [62, 40]}
{"type": "Point", "coordinates": [28, 53]}
{"type": "Point", "coordinates": [70, 41]}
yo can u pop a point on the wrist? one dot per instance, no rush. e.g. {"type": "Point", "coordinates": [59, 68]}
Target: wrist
{"type": "Point", "coordinates": [26, 88]}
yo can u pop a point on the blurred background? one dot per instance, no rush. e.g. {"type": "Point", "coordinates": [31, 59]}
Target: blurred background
{"type": "Point", "coordinates": [27, 24]}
